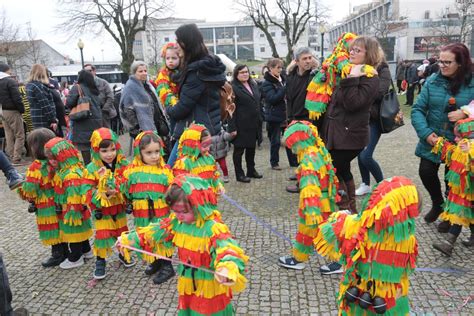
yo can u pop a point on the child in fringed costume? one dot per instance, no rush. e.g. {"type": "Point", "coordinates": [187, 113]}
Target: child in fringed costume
{"type": "Point", "coordinates": [195, 227]}
{"type": "Point", "coordinates": [166, 88]}
{"type": "Point", "coordinates": [318, 188]}
{"type": "Point", "coordinates": [104, 198]}
{"type": "Point", "coordinates": [194, 156]}
{"type": "Point", "coordinates": [458, 208]}
{"type": "Point", "coordinates": [70, 187]}
{"type": "Point", "coordinates": [38, 190]}
{"type": "Point", "coordinates": [378, 249]}
{"type": "Point", "coordinates": [144, 185]}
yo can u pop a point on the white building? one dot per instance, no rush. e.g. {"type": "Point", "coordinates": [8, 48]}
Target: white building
{"type": "Point", "coordinates": [238, 40]}
{"type": "Point", "coordinates": [409, 29]}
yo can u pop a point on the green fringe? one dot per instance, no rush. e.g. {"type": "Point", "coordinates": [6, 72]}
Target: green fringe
{"type": "Point", "coordinates": [315, 106]}
{"type": "Point", "coordinates": [228, 311]}
{"type": "Point", "coordinates": [401, 231]}
{"type": "Point", "coordinates": [382, 272]}
{"type": "Point", "coordinates": [329, 235]}
{"type": "Point", "coordinates": [104, 243]}
{"type": "Point", "coordinates": [74, 215]}
{"type": "Point", "coordinates": [49, 234]}
{"type": "Point", "coordinates": [309, 250]}
{"type": "Point", "coordinates": [46, 212]}
{"type": "Point", "coordinates": [459, 210]}
{"type": "Point", "coordinates": [67, 229]}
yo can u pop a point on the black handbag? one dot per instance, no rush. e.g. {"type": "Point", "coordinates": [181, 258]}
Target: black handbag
{"type": "Point", "coordinates": [390, 116]}
{"type": "Point", "coordinates": [82, 110]}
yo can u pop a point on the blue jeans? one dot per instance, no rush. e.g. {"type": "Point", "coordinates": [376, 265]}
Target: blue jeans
{"type": "Point", "coordinates": [367, 164]}
{"type": "Point", "coordinates": [5, 292]}
{"type": "Point", "coordinates": [173, 155]}
{"type": "Point", "coordinates": [274, 133]}
{"type": "Point", "coordinates": [5, 165]}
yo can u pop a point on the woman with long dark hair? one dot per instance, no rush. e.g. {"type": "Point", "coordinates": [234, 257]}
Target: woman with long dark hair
{"type": "Point", "coordinates": [200, 80]}
{"type": "Point", "coordinates": [81, 131]}
{"type": "Point", "coordinates": [434, 114]}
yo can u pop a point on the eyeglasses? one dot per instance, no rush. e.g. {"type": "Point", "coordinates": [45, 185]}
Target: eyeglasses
{"type": "Point", "coordinates": [356, 50]}
{"type": "Point", "coordinates": [445, 63]}
{"type": "Point", "coordinates": [243, 72]}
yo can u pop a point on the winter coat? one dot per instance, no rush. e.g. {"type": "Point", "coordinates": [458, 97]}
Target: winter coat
{"type": "Point", "coordinates": [296, 86]}
{"type": "Point", "coordinates": [42, 107]}
{"type": "Point", "coordinates": [59, 106]}
{"type": "Point", "coordinates": [429, 112]}
{"type": "Point", "coordinates": [411, 74]}
{"type": "Point", "coordinates": [275, 100]}
{"type": "Point", "coordinates": [199, 96]}
{"type": "Point", "coordinates": [82, 130]}
{"type": "Point", "coordinates": [345, 124]}
{"type": "Point", "coordinates": [10, 98]}
{"type": "Point", "coordinates": [106, 96]}
{"type": "Point", "coordinates": [220, 144]}
{"type": "Point", "coordinates": [246, 116]}
{"type": "Point", "coordinates": [385, 81]}
{"type": "Point", "coordinates": [400, 72]}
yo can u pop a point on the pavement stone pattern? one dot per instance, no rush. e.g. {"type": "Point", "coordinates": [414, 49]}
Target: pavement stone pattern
{"type": "Point", "coordinates": [271, 290]}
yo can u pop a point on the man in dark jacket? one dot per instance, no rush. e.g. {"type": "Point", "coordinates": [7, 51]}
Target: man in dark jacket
{"type": "Point", "coordinates": [412, 79]}
{"type": "Point", "coordinates": [12, 108]}
{"type": "Point", "coordinates": [297, 81]}
{"type": "Point", "coordinates": [106, 96]}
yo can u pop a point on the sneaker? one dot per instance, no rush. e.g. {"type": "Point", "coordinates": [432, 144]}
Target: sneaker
{"type": "Point", "coordinates": [66, 264]}
{"type": "Point", "coordinates": [363, 189]}
{"type": "Point", "coordinates": [290, 262]}
{"type": "Point", "coordinates": [126, 263]}
{"type": "Point", "coordinates": [276, 167]}
{"type": "Point", "coordinates": [99, 272]}
{"type": "Point", "coordinates": [225, 179]}
{"type": "Point", "coordinates": [331, 268]}
{"type": "Point", "coordinates": [88, 255]}
{"type": "Point", "coordinates": [18, 163]}
{"type": "Point", "coordinates": [164, 274]}
{"type": "Point", "coordinates": [292, 178]}
{"type": "Point", "coordinates": [15, 179]}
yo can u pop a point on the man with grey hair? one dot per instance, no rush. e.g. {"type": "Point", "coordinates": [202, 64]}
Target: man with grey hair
{"type": "Point", "coordinates": [298, 80]}
{"type": "Point", "coordinates": [106, 96]}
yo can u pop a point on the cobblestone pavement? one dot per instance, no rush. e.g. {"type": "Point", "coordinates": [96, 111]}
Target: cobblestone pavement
{"type": "Point", "coordinates": [271, 289]}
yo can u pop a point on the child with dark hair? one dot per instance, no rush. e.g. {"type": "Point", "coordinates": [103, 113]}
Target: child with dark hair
{"type": "Point", "coordinates": [104, 198]}
{"type": "Point", "coordinates": [205, 245]}
{"type": "Point", "coordinates": [70, 188]}
{"type": "Point", "coordinates": [144, 185]}
{"type": "Point", "coordinates": [38, 190]}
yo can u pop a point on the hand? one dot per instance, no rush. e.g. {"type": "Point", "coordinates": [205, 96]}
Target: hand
{"type": "Point", "coordinates": [54, 126]}
{"type": "Point", "coordinates": [455, 116]}
{"type": "Point", "coordinates": [220, 277]}
{"type": "Point", "coordinates": [101, 171]}
{"type": "Point", "coordinates": [356, 71]}
{"type": "Point", "coordinates": [464, 145]}
{"type": "Point", "coordinates": [432, 139]}
{"type": "Point", "coordinates": [233, 134]}
{"type": "Point", "coordinates": [110, 192]}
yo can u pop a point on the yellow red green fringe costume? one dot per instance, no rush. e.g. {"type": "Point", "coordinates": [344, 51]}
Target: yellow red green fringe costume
{"type": "Point", "coordinates": [317, 181]}
{"type": "Point", "coordinates": [206, 243]}
{"type": "Point", "coordinates": [190, 159]}
{"type": "Point", "coordinates": [38, 189]}
{"type": "Point", "coordinates": [166, 89]}
{"type": "Point", "coordinates": [145, 186]}
{"type": "Point", "coordinates": [70, 186]}
{"type": "Point", "coordinates": [114, 219]}
{"type": "Point", "coordinates": [458, 208]}
{"type": "Point", "coordinates": [377, 246]}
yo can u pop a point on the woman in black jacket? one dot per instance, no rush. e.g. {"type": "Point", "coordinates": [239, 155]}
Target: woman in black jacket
{"type": "Point", "coordinates": [81, 131]}
{"type": "Point", "coordinates": [273, 90]}
{"type": "Point", "coordinates": [245, 121]}
{"type": "Point", "coordinates": [201, 78]}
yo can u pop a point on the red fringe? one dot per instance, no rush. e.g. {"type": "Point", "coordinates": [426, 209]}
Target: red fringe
{"type": "Point", "coordinates": [46, 227]}
{"type": "Point", "coordinates": [142, 187]}
{"type": "Point", "coordinates": [113, 210]}
{"type": "Point", "coordinates": [388, 257]}
{"type": "Point", "coordinates": [161, 212]}
{"type": "Point", "coordinates": [196, 258]}
{"type": "Point", "coordinates": [304, 239]}
{"type": "Point", "coordinates": [203, 305]}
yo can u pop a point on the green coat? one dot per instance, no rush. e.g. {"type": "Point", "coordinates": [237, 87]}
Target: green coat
{"type": "Point", "coordinates": [428, 114]}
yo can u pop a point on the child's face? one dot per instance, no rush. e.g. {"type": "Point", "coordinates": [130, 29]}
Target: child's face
{"type": "Point", "coordinates": [183, 212]}
{"type": "Point", "coordinates": [51, 160]}
{"type": "Point", "coordinates": [108, 154]}
{"type": "Point", "coordinates": [172, 58]}
{"type": "Point", "coordinates": [151, 154]}
{"type": "Point", "coordinates": [206, 145]}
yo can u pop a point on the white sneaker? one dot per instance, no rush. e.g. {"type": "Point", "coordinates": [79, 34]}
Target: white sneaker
{"type": "Point", "coordinates": [363, 189]}
{"type": "Point", "coordinates": [291, 263]}
{"type": "Point", "coordinates": [225, 179]}
{"type": "Point", "coordinates": [88, 255]}
{"type": "Point", "coordinates": [66, 264]}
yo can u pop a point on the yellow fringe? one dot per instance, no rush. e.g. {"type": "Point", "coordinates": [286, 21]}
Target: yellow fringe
{"type": "Point", "coordinates": [198, 244]}
{"type": "Point", "coordinates": [103, 253]}
{"type": "Point", "coordinates": [234, 274]}
{"type": "Point", "coordinates": [51, 241]}
{"type": "Point", "coordinates": [53, 219]}
{"type": "Point", "coordinates": [204, 288]}
{"type": "Point", "coordinates": [143, 204]}
{"type": "Point", "coordinates": [76, 237]}
{"type": "Point", "coordinates": [300, 256]}
{"type": "Point", "coordinates": [455, 219]}
{"type": "Point", "coordinates": [110, 224]}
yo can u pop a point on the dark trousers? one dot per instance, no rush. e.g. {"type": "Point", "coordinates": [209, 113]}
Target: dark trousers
{"type": "Point", "coordinates": [77, 249]}
{"type": "Point", "coordinates": [428, 172]}
{"type": "Point", "coordinates": [86, 156]}
{"type": "Point", "coordinates": [292, 160]}
{"type": "Point", "coordinates": [274, 133]}
{"type": "Point", "coordinates": [249, 160]}
{"type": "Point", "coordinates": [399, 86]}
{"type": "Point", "coordinates": [411, 93]}
{"type": "Point", "coordinates": [456, 229]}
{"type": "Point", "coordinates": [341, 160]}
{"type": "Point", "coordinates": [5, 292]}
{"type": "Point", "coordinates": [367, 163]}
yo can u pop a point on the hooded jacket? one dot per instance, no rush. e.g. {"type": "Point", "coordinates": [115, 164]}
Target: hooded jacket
{"type": "Point", "coordinates": [199, 96]}
{"type": "Point", "coordinates": [273, 92]}
{"type": "Point", "coordinates": [10, 97]}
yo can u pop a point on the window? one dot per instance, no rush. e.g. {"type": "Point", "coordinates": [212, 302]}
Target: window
{"type": "Point", "coordinates": [262, 49]}
{"type": "Point", "coordinates": [283, 34]}
{"type": "Point", "coordinates": [273, 34]}
{"type": "Point", "coordinates": [262, 35]}
{"type": "Point", "coordinates": [427, 14]}
{"type": "Point", "coordinates": [167, 39]}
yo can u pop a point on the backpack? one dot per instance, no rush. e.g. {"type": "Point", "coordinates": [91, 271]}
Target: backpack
{"type": "Point", "coordinates": [226, 101]}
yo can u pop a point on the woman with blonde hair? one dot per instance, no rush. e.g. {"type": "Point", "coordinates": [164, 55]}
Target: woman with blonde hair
{"type": "Point", "coordinates": [42, 108]}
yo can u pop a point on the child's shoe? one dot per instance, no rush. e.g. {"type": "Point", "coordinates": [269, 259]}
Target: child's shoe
{"type": "Point", "coordinates": [165, 273]}
{"type": "Point", "coordinates": [14, 179]}
{"type": "Point", "coordinates": [331, 268]}
{"type": "Point", "coordinates": [99, 272]}
{"type": "Point", "coordinates": [66, 264]}
{"type": "Point", "coordinates": [363, 189]}
{"type": "Point", "coordinates": [153, 267]}
{"type": "Point", "coordinates": [88, 255]}
{"type": "Point", "coordinates": [291, 263]}
{"type": "Point", "coordinates": [225, 179]}
{"type": "Point", "coordinates": [127, 264]}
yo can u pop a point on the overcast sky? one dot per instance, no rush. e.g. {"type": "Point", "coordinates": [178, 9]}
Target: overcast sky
{"type": "Point", "coordinates": [43, 17]}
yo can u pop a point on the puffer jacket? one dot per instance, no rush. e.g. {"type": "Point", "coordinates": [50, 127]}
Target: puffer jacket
{"type": "Point", "coordinates": [274, 94]}
{"type": "Point", "coordinates": [429, 112]}
{"type": "Point", "coordinates": [10, 97]}
{"type": "Point", "coordinates": [199, 96]}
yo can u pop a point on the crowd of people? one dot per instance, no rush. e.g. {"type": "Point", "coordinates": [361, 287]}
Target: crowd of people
{"type": "Point", "coordinates": [80, 184]}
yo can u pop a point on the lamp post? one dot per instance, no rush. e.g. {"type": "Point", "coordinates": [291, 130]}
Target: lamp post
{"type": "Point", "coordinates": [322, 30]}
{"type": "Point", "coordinates": [80, 44]}
{"type": "Point", "coordinates": [425, 43]}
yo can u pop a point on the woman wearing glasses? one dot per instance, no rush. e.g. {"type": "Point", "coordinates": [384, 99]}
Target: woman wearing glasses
{"type": "Point", "coordinates": [434, 114]}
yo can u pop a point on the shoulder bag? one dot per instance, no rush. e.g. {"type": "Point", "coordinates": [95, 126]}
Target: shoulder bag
{"type": "Point", "coordinates": [390, 116]}
{"type": "Point", "coordinates": [82, 110]}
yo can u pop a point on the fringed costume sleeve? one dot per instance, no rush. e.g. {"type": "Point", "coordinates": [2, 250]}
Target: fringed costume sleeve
{"type": "Point", "coordinates": [166, 89]}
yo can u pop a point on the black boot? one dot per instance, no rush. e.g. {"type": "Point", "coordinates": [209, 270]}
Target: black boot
{"type": "Point", "coordinates": [153, 267]}
{"type": "Point", "coordinates": [435, 211]}
{"type": "Point", "coordinates": [165, 273]}
{"type": "Point", "coordinates": [57, 256]}
{"type": "Point", "coordinates": [446, 246]}
{"type": "Point", "coordinates": [444, 226]}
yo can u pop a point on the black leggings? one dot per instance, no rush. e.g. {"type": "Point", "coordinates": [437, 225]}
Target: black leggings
{"type": "Point", "coordinates": [428, 172]}
{"type": "Point", "coordinates": [341, 160]}
{"type": "Point", "coordinates": [78, 249]}
{"type": "Point", "coordinates": [456, 229]}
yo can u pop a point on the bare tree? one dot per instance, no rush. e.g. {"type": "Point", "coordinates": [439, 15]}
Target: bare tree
{"type": "Point", "coordinates": [9, 35]}
{"type": "Point", "coordinates": [33, 52]}
{"type": "Point", "coordinates": [456, 21]}
{"type": "Point", "coordinates": [464, 10]}
{"type": "Point", "coordinates": [122, 19]}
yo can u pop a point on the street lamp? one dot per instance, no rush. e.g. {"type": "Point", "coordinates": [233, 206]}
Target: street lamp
{"type": "Point", "coordinates": [80, 44]}
{"type": "Point", "coordinates": [322, 30]}
{"type": "Point", "coordinates": [425, 43]}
